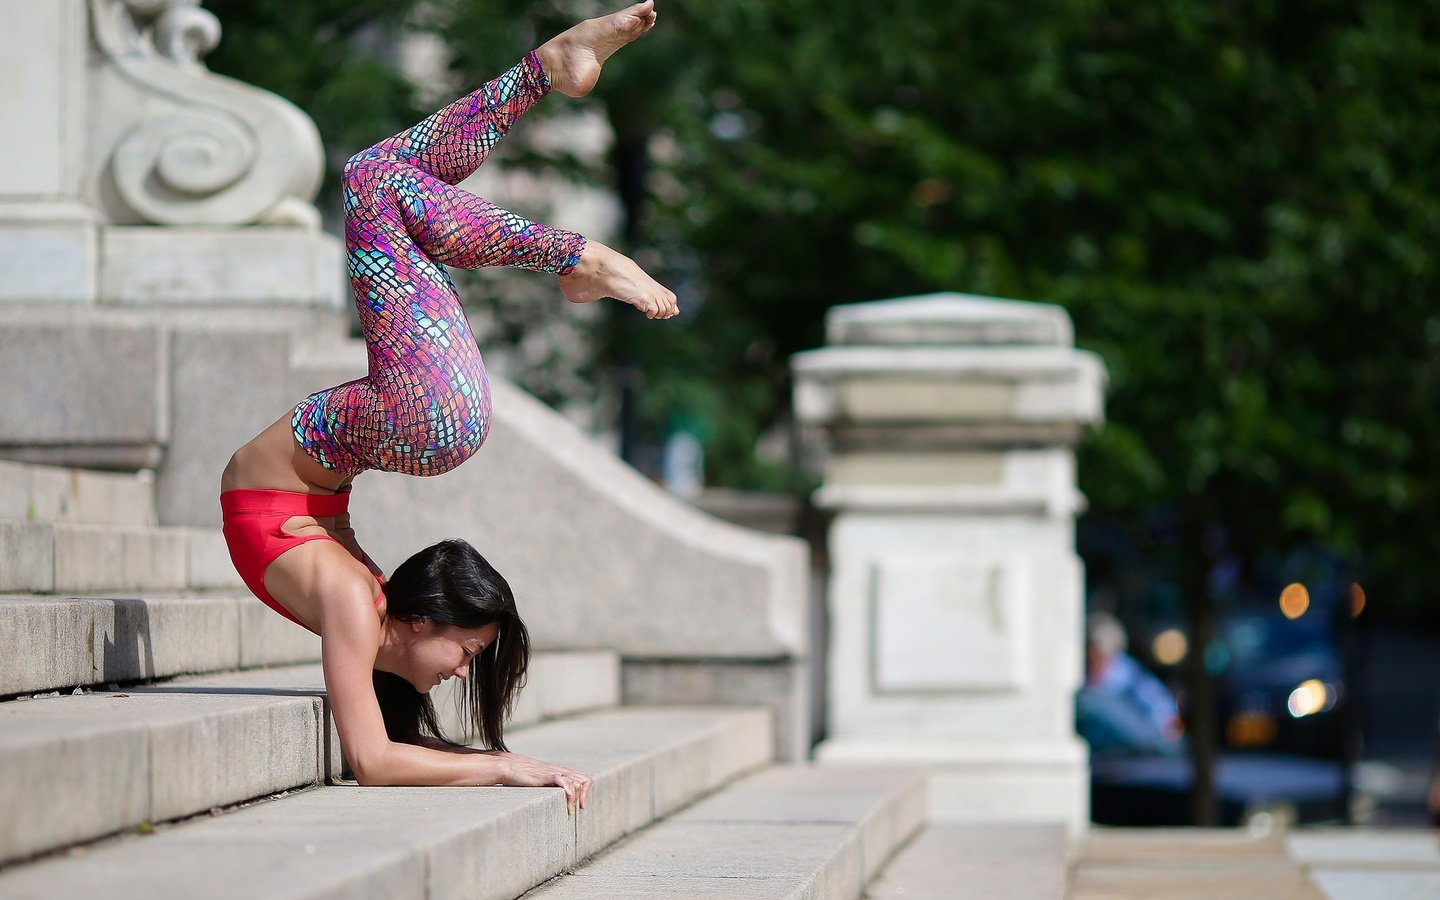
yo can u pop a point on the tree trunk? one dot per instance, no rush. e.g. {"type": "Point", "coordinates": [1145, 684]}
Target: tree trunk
{"type": "Point", "coordinates": [630, 156]}
{"type": "Point", "coordinates": [1201, 725]}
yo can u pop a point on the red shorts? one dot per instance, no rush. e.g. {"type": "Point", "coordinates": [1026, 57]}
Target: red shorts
{"type": "Point", "coordinates": [254, 532]}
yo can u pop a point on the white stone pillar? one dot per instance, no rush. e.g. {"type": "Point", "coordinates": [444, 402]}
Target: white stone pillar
{"type": "Point", "coordinates": [47, 229]}
{"type": "Point", "coordinates": [955, 595]}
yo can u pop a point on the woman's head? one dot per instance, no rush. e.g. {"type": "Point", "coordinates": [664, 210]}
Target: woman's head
{"type": "Point", "coordinates": [455, 616]}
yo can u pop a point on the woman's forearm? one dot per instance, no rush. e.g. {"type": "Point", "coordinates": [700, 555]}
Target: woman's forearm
{"type": "Point", "coordinates": [408, 764]}
{"type": "Point", "coordinates": [347, 539]}
{"type": "Point", "coordinates": [411, 765]}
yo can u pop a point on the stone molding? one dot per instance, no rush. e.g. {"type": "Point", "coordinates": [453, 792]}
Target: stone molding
{"type": "Point", "coordinates": [948, 319]}
{"type": "Point", "coordinates": [176, 144]}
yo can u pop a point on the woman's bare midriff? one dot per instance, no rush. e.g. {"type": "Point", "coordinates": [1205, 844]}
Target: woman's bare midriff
{"type": "Point", "coordinates": [273, 461]}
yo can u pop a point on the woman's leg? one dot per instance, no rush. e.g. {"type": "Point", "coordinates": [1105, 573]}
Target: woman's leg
{"type": "Point", "coordinates": [425, 406]}
{"type": "Point", "coordinates": [452, 143]}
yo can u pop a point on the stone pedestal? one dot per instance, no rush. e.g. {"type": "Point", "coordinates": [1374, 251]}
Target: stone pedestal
{"type": "Point", "coordinates": [955, 596]}
{"type": "Point", "coordinates": [142, 198]}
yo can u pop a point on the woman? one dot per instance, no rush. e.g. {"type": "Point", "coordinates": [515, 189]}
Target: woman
{"type": "Point", "coordinates": [423, 409]}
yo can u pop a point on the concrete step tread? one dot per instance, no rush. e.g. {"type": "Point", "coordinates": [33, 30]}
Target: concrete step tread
{"type": "Point", "coordinates": [387, 842]}
{"type": "Point", "coordinates": [39, 493]}
{"type": "Point", "coordinates": [67, 556]}
{"type": "Point", "coordinates": [102, 762]}
{"type": "Point", "coordinates": [787, 831]}
{"type": "Point", "coordinates": [1021, 861]}
{"type": "Point", "coordinates": [62, 642]}
{"type": "Point", "coordinates": [56, 643]}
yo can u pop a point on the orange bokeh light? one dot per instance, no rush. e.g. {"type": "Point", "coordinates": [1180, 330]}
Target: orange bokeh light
{"type": "Point", "coordinates": [1294, 600]}
{"type": "Point", "coordinates": [1357, 600]}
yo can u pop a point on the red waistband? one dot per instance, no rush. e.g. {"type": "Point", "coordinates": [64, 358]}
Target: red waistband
{"type": "Point", "coordinates": [290, 503]}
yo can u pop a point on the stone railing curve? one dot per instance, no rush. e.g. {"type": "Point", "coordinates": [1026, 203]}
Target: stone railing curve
{"type": "Point", "coordinates": [187, 146]}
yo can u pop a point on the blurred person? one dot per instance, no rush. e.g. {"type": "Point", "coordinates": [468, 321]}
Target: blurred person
{"type": "Point", "coordinates": [423, 409]}
{"type": "Point", "coordinates": [1122, 710]}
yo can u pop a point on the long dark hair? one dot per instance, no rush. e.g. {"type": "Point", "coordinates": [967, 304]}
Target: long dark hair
{"type": "Point", "coordinates": [450, 583]}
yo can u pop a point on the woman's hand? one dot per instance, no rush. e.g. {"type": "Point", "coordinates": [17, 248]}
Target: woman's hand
{"type": "Point", "coordinates": [522, 771]}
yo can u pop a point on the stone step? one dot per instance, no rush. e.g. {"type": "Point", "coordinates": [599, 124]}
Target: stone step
{"type": "Point", "coordinates": [347, 841]}
{"type": "Point", "coordinates": [57, 643]}
{"type": "Point", "coordinates": [61, 556]}
{"type": "Point", "coordinates": [788, 831]}
{"type": "Point", "coordinates": [560, 683]}
{"type": "Point", "coordinates": [74, 768]}
{"type": "Point", "coordinates": [38, 493]}
{"type": "Point", "coordinates": [977, 862]}
{"type": "Point", "coordinates": [1189, 864]}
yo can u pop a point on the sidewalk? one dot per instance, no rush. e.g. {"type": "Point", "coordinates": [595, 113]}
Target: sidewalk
{"type": "Point", "coordinates": [1182, 863]}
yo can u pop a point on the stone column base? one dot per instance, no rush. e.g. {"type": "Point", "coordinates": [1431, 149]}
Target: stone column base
{"type": "Point", "coordinates": [986, 781]}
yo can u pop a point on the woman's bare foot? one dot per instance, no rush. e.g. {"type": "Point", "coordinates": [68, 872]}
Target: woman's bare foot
{"type": "Point", "coordinates": [603, 272]}
{"type": "Point", "coordinates": [573, 59]}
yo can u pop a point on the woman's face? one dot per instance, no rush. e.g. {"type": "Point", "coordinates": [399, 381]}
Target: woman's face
{"type": "Point", "coordinates": [437, 652]}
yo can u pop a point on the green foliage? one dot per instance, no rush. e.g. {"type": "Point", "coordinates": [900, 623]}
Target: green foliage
{"type": "Point", "coordinates": [1236, 202]}
{"type": "Point", "coordinates": [1232, 201]}
{"type": "Point", "coordinates": [331, 58]}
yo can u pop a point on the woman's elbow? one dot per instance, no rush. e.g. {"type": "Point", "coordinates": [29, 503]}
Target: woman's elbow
{"type": "Point", "coordinates": [370, 769]}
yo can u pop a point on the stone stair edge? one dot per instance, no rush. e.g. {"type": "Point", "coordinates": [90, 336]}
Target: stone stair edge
{"type": "Point", "coordinates": [786, 831]}
{"type": "Point", "coordinates": [73, 556]}
{"type": "Point", "coordinates": [76, 639]}
{"type": "Point", "coordinates": [646, 763]}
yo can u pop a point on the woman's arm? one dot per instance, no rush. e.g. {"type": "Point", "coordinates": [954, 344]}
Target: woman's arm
{"type": "Point", "coordinates": [350, 638]}
{"type": "Point", "coordinates": [345, 535]}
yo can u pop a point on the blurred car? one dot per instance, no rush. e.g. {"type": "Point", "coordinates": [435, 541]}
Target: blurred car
{"type": "Point", "coordinates": [1282, 684]}
{"type": "Point", "coordinates": [1280, 692]}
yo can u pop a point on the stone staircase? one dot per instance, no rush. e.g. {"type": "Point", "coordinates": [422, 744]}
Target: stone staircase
{"type": "Point", "coordinates": [164, 734]}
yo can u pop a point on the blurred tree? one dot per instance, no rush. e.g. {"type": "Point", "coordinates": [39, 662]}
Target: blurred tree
{"type": "Point", "coordinates": [332, 58]}
{"type": "Point", "coordinates": [1236, 202]}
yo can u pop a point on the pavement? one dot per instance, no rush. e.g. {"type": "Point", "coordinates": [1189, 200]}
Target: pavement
{"type": "Point", "coordinates": [1206, 864]}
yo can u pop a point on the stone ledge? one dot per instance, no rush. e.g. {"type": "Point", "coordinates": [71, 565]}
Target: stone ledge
{"type": "Point", "coordinates": [200, 265]}
{"type": "Point", "coordinates": [65, 642]}
{"type": "Point", "coordinates": [54, 494]}
{"type": "Point", "coordinates": [89, 558]}
{"type": "Point", "coordinates": [471, 842]}
{"type": "Point", "coordinates": [948, 318]}
{"type": "Point", "coordinates": [784, 832]}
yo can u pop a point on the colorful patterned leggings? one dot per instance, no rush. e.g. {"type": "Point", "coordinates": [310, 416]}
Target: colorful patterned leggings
{"type": "Point", "coordinates": [424, 408]}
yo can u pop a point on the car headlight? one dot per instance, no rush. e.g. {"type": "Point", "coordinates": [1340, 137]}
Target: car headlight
{"type": "Point", "coordinates": [1311, 697]}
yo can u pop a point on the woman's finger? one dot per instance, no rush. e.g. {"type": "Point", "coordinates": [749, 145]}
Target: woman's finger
{"type": "Point", "coordinates": [569, 787]}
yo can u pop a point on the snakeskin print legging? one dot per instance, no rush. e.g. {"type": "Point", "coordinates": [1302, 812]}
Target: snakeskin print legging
{"type": "Point", "coordinates": [424, 407]}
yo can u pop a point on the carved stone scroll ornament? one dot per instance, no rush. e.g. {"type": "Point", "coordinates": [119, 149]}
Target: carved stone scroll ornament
{"type": "Point", "coordinates": [196, 148]}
